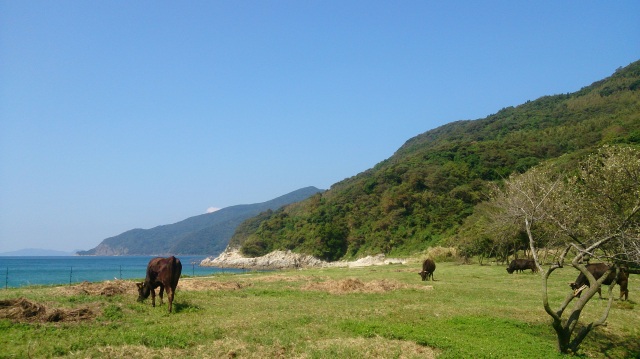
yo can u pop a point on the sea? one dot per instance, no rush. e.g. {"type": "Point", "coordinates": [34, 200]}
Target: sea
{"type": "Point", "coordinates": [27, 271]}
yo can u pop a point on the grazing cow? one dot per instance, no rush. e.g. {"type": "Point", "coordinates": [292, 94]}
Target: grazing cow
{"type": "Point", "coordinates": [598, 270]}
{"type": "Point", "coordinates": [428, 267]}
{"type": "Point", "coordinates": [521, 265]}
{"type": "Point", "coordinates": [163, 273]}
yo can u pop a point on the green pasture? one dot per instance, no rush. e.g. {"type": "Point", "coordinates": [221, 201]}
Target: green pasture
{"type": "Point", "coordinates": [470, 311]}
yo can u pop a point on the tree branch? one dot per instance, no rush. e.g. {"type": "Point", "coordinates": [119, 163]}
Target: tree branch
{"type": "Point", "coordinates": [545, 294]}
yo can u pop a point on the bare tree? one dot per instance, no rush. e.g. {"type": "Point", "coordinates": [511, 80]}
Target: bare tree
{"type": "Point", "coordinates": [593, 214]}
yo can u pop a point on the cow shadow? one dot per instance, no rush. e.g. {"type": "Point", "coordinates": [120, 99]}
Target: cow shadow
{"type": "Point", "coordinates": [623, 304]}
{"type": "Point", "coordinates": [185, 307]}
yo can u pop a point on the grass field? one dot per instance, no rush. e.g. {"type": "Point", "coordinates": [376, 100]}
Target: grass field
{"type": "Point", "coordinates": [470, 311]}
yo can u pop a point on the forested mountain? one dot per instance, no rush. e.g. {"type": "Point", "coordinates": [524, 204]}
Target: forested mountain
{"type": "Point", "coordinates": [206, 234]}
{"type": "Point", "coordinates": [421, 195]}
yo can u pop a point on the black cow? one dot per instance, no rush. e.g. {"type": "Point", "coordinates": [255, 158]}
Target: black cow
{"type": "Point", "coordinates": [163, 273]}
{"type": "Point", "coordinates": [598, 270]}
{"type": "Point", "coordinates": [521, 265]}
{"type": "Point", "coordinates": [428, 267]}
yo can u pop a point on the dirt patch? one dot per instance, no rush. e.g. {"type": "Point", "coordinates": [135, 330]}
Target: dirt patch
{"type": "Point", "coordinates": [24, 310]}
{"type": "Point", "coordinates": [354, 285]}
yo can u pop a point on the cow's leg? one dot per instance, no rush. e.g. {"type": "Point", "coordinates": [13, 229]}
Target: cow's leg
{"type": "Point", "coordinates": [153, 297]}
{"type": "Point", "coordinates": [625, 293]}
{"type": "Point", "coordinates": [170, 297]}
{"type": "Point", "coordinates": [161, 292]}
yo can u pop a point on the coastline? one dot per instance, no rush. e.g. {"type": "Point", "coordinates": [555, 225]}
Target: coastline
{"type": "Point", "coordinates": [23, 271]}
{"type": "Point", "coordinates": [289, 260]}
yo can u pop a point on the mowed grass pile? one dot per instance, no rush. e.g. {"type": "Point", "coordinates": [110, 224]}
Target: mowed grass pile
{"type": "Point", "coordinates": [373, 312]}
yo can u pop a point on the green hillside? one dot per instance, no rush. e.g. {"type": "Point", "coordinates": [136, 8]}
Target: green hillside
{"type": "Point", "coordinates": [206, 234]}
{"type": "Point", "coordinates": [420, 195]}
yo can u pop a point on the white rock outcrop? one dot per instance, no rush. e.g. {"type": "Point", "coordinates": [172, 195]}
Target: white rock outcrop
{"type": "Point", "coordinates": [288, 260]}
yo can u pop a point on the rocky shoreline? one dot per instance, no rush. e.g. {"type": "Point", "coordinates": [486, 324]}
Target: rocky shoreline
{"type": "Point", "coordinates": [289, 260]}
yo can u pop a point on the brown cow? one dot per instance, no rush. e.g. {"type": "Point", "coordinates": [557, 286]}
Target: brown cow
{"type": "Point", "coordinates": [428, 267]}
{"type": "Point", "coordinates": [598, 270]}
{"type": "Point", "coordinates": [163, 273]}
{"type": "Point", "coordinates": [521, 265]}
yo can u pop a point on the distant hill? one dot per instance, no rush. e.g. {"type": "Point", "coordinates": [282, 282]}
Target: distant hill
{"type": "Point", "coordinates": [420, 196]}
{"type": "Point", "coordinates": [36, 252]}
{"type": "Point", "coordinates": [206, 234]}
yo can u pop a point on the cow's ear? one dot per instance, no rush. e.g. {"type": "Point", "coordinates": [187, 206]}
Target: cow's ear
{"type": "Point", "coordinates": [139, 284]}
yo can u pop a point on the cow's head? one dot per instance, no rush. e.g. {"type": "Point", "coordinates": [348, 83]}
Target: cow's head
{"type": "Point", "coordinates": [423, 275]}
{"type": "Point", "coordinates": [577, 290]}
{"type": "Point", "coordinates": [143, 291]}
{"type": "Point", "coordinates": [510, 270]}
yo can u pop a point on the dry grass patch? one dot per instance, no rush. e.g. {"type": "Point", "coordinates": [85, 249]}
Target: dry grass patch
{"type": "Point", "coordinates": [375, 347]}
{"type": "Point", "coordinates": [195, 284]}
{"type": "Point", "coordinates": [130, 351]}
{"type": "Point", "coordinates": [24, 310]}
{"type": "Point", "coordinates": [111, 288]}
{"type": "Point", "coordinates": [107, 288]}
{"type": "Point", "coordinates": [355, 285]}
{"type": "Point", "coordinates": [285, 278]}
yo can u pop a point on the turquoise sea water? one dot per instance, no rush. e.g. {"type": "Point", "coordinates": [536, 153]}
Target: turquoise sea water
{"type": "Point", "coordinates": [23, 271]}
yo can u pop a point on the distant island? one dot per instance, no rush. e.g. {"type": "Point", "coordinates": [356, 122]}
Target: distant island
{"type": "Point", "coordinates": [36, 252]}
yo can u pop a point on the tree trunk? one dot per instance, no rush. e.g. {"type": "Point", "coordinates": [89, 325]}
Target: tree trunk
{"type": "Point", "coordinates": [562, 332]}
{"type": "Point", "coordinates": [564, 336]}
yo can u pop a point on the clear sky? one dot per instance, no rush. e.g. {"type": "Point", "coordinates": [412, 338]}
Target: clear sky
{"type": "Point", "coordinates": [117, 115]}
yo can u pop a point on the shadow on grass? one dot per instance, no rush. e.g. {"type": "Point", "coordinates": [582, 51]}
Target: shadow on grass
{"type": "Point", "coordinates": [615, 346]}
{"type": "Point", "coordinates": [185, 307]}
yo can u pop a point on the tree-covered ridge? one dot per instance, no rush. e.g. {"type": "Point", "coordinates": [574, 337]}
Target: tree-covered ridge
{"type": "Point", "coordinates": [423, 192]}
{"type": "Point", "coordinates": [205, 234]}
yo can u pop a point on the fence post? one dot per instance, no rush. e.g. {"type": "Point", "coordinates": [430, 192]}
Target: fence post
{"type": "Point", "coordinates": [6, 279]}
{"type": "Point", "coordinates": [70, 275]}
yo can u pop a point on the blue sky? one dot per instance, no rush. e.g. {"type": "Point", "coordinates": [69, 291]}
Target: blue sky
{"type": "Point", "coordinates": [117, 115]}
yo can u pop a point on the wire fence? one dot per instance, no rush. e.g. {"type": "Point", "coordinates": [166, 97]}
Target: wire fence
{"type": "Point", "coordinates": [54, 272]}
